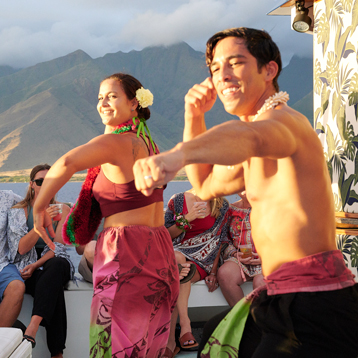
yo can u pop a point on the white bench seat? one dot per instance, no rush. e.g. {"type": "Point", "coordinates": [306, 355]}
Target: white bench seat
{"type": "Point", "coordinates": [202, 306]}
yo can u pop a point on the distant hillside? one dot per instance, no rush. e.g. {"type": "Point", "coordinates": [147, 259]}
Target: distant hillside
{"type": "Point", "coordinates": [49, 108]}
{"type": "Point", "coordinates": [297, 80]}
{"type": "Point", "coordinates": [6, 70]}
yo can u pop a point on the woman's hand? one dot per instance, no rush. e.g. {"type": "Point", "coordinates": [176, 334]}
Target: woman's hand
{"type": "Point", "coordinates": [198, 210]}
{"type": "Point", "coordinates": [252, 260]}
{"type": "Point", "coordinates": [27, 271]}
{"type": "Point", "coordinates": [212, 282]}
{"type": "Point", "coordinates": [42, 220]}
{"type": "Point", "coordinates": [52, 211]}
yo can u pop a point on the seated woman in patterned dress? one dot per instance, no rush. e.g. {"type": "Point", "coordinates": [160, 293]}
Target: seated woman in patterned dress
{"type": "Point", "coordinates": [239, 267]}
{"type": "Point", "coordinates": [198, 229]}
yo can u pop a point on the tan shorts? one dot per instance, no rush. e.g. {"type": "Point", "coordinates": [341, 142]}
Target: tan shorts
{"type": "Point", "coordinates": [84, 270]}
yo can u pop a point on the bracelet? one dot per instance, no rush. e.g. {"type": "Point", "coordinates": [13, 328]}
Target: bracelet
{"type": "Point", "coordinates": [212, 273]}
{"type": "Point", "coordinates": [181, 223]}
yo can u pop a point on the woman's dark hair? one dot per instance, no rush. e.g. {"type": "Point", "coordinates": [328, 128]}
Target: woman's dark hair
{"type": "Point", "coordinates": [130, 85]}
{"type": "Point", "coordinates": [30, 193]}
{"type": "Point", "coordinates": [258, 42]}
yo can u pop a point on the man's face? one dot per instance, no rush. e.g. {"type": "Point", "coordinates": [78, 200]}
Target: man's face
{"type": "Point", "coordinates": [236, 78]}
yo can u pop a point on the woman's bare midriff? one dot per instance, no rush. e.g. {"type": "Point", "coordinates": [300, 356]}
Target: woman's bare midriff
{"type": "Point", "coordinates": [151, 215]}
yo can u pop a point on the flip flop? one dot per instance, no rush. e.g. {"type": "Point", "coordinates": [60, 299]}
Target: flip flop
{"type": "Point", "coordinates": [169, 354]}
{"type": "Point", "coordinates": [186, 337]}
{"type": "Point", "coordinates": [190, 274]}
{"type": "Point", "coordinates": [29, 339]}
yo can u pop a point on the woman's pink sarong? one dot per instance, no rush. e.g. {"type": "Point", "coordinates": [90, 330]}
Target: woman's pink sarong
{"type": "Point", "coordinates": [136, 285]}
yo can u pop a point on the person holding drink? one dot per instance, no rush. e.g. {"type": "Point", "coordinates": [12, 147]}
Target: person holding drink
{"type": "Point", "coordinates": [44, 279]}
{"type": "Point", "coordinates": [198, 229]}
{"type": "Point", "coordinates": [241, 261]}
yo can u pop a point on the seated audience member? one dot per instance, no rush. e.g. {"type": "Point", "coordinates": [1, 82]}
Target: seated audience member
{"type": "Point", "coordinates": [12, 287]}
{"type": "Point", "coordinates": [198, 229]}
{"type": "Point", "coordinates": [85, 267]}
{"type": "Point", "coordinates": [44, 279]}
{"type": "Point", "coordinates": [239, 267]}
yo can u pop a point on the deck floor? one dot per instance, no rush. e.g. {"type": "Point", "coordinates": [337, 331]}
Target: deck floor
{"type": "Point", "coordinates": [187, 354]}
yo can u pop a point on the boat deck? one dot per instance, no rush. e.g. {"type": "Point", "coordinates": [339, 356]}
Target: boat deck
{"type": "Point", "coordinates": [202, 306]}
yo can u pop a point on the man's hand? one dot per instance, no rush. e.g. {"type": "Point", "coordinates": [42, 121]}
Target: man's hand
{"type": "Point", "coordinates": [200, 98]}
{"type": "Point", "coordinates": [42, 221]}
{"type": "Point", "coordinates": [157, 170]}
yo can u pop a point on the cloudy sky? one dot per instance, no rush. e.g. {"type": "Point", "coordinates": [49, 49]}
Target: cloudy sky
{"type": "Point", "coordinates": [41, 30]}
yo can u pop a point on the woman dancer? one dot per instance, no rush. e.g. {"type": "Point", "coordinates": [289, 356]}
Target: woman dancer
{"type": "Point", "coordinates": [135, 276]}
{"type": "Point", "coordinates": [44, 279]}
{"type": "Point", "coordinates": [198, 229]}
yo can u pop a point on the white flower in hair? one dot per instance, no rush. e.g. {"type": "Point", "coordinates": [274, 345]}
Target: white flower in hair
{"type": "Point", "coordinates": [144, 97]}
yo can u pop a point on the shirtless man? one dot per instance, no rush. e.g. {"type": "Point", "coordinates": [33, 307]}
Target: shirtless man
{"type": "Point", "coordinates": [276, 155]}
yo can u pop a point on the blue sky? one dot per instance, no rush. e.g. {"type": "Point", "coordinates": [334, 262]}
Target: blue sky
{"type": "Point", "coordinates": [41, 30]}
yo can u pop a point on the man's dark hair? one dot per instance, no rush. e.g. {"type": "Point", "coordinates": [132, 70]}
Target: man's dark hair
{"type": "Point", "coordinates": [258, 42]}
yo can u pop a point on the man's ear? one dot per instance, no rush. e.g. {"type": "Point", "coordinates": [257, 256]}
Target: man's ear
{"type": "Point", "coordinates": [271, 70]}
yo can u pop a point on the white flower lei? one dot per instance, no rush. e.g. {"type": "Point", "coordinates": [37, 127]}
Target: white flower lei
{"type": "Point", "coordinates": [272, 102]}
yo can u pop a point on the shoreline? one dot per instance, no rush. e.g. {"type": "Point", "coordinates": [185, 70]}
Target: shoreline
{"type": "Point", "coordinates": [25, 178]}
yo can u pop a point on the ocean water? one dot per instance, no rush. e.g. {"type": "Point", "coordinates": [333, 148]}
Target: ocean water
{"type": "Point", "coordinates": [69, 192]}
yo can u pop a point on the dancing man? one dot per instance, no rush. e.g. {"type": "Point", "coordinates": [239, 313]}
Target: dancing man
{"type": "Point", "coordinates": [274, 154]}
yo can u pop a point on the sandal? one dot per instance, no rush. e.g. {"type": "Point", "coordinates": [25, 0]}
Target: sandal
{"type": "Point", "coordinates": [186, 337]}
{"type": "Point", "coordinates": [29, 339]}
{"type": "Point", "coordinates": [169, 354]}
{"type": "Point", "coordinates": [190, 274]}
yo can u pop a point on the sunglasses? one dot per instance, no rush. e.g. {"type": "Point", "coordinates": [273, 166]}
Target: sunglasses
{"type": "Point", "coordinates": [38, 182]}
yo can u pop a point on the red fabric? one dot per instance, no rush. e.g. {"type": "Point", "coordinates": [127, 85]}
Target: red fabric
{"type": "Point", "coordinates": [136, 285]}
{"type": "Point", "coordinates": [324, 271]}
{"type": "Point", "coordinates": [198, 226]}
{"type": "Point", "coordinates": [201, 271]}
{"type": "Point", "coordinates": [240, 227]}
{"type": "Point", "coordinates": [116, 198]}
{"type": "Point", "coordinates": [85, 216]}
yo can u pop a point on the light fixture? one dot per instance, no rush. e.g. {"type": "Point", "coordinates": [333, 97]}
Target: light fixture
{"type": "Point", "coordinates": [302, 21]}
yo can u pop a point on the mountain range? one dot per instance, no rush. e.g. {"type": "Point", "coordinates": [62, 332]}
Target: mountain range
{"type": "Point", "coordinates": [50, 108]}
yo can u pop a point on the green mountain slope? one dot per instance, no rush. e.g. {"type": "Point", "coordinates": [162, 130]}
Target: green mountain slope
{"type": "Point", "coordinates": [49, 108]}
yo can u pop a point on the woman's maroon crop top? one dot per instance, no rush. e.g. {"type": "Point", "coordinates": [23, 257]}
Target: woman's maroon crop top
{"type": "Point", "coordinates": [116, 198]}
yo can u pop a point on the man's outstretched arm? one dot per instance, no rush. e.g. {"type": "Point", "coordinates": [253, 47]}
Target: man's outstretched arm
{"type": "Point", "coordinates": [227, 144]}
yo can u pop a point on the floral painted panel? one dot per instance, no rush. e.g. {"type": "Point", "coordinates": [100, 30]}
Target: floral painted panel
{"type": "Point", "coordinates": [336, 104]}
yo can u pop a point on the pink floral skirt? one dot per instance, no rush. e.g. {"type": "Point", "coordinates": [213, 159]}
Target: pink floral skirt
{"type": "Point", "coordinates": [136, 285]}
